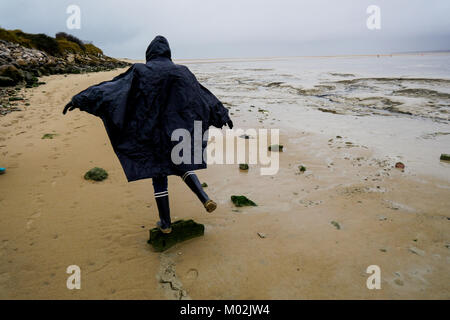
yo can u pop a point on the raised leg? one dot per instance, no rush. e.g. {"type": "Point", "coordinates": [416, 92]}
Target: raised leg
{"type": "Point", "coordinates": [191, 179]}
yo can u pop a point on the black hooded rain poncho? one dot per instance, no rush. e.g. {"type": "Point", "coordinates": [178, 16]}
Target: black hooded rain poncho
{"type": "Point", "coordinates": [143, 106]}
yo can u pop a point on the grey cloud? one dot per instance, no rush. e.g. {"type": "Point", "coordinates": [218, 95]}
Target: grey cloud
{"type": "Point", "coordinates": [207, 28]}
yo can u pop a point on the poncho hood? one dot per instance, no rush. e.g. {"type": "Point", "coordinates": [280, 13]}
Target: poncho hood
{"type": "Point", "coordinates": [159, 47]}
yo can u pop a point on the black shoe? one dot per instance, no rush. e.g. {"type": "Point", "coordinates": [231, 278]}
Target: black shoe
{"type": "Point", "coordinates": [162, 201]}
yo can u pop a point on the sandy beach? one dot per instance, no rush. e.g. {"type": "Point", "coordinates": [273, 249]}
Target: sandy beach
{"type": "Point", "coordinates": [51, 218]}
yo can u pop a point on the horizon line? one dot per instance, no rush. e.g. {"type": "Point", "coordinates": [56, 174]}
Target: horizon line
{"type": "Point", "coordinates": [271, 58]}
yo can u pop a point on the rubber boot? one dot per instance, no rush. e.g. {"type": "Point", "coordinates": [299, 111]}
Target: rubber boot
{"type": "Point", "coordinates": [162, 201]}
{"type": "Point", "coordinates": [191, 179]}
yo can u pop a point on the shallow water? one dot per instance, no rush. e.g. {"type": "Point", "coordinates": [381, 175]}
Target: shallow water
{"type": "Point", "coordinates": [399, 105]}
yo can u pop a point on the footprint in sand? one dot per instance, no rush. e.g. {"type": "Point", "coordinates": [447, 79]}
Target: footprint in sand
{"type": "Point", "coordinates": [169, 282]}
{"type": "Point", "coordinates": [31, 219]}
{"type": "Point", "coordinates": [192, 274]}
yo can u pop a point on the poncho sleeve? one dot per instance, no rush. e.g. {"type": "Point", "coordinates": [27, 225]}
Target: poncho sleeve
{"type": "Point", "coordinates": [218, 113]}
{"type": "Point", "coordinates": [108, 99]}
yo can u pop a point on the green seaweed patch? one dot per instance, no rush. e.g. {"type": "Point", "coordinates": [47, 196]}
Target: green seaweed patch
{"type": "Point", "coordinates": [302, 168]}
{"type": "Point", "coordinates": [276, 147]}
{"type": "Point", "coordinates": [96, 174]}
{"type": "Point", "coordinates": [336, 224]}
{"type": "Point", "coordinates": [242, 201]}
{"type": "Point", "coordinates": [49, 135]}
{"type": "Point", "coordinates": [243, 166]}
{"type": "Point", "coordinates": [445, 157]}
{"type": "Point", "coordinates": [204, 185]}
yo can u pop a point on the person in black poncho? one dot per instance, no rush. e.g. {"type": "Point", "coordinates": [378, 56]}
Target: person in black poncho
{"type": "Point", "coordinates": [140, 110]}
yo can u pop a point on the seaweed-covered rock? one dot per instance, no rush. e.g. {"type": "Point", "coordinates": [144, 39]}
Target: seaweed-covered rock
{"type": "Point", "coordinates": [11, 72]}
{"type": "Point", "coordinates": [182, 230]}
{"type": "Point", "coordinates": [336, 224]}
{"type": "Point", "coordinates": [243, 166]}
{"type": "Point", "coordinates": [276, 147]}
{"type": "Point", "coordinates": [96, 174]}
{"type": "Point", "coordinates": [445, 157]}
{"type": "Point", "coordinates": [49, 135]}
{"type": "Point", "coordinates": [242, 201]}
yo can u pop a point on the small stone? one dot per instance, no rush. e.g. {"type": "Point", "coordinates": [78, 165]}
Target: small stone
{"type": "Point", "coordinates": [400, 165]}
{"type": "Point", "coordinates": [243, 166]}
{"type": "Point", "coordinates": [417, 251]}
{"type": "Point", "coordinates": [398, 282]}
{"type": "Point", "coordinates": [261, 235]}
{"type": "Point", "coordinates": [15, 99]}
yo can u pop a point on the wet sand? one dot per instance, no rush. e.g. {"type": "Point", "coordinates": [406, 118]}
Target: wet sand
{"type": "Point", "coordinates": [50, 217]}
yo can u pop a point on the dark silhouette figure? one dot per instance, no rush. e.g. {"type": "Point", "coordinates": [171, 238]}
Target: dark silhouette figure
{"type": "Point", "coordinates": [141, 108]}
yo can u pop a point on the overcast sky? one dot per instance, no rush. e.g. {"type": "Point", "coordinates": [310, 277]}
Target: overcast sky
{"type": "Point", "coordinates": [240, 28]}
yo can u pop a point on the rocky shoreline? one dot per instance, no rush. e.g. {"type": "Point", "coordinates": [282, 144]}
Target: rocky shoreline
{"type": "Point", "coordinates": [21, 67]}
